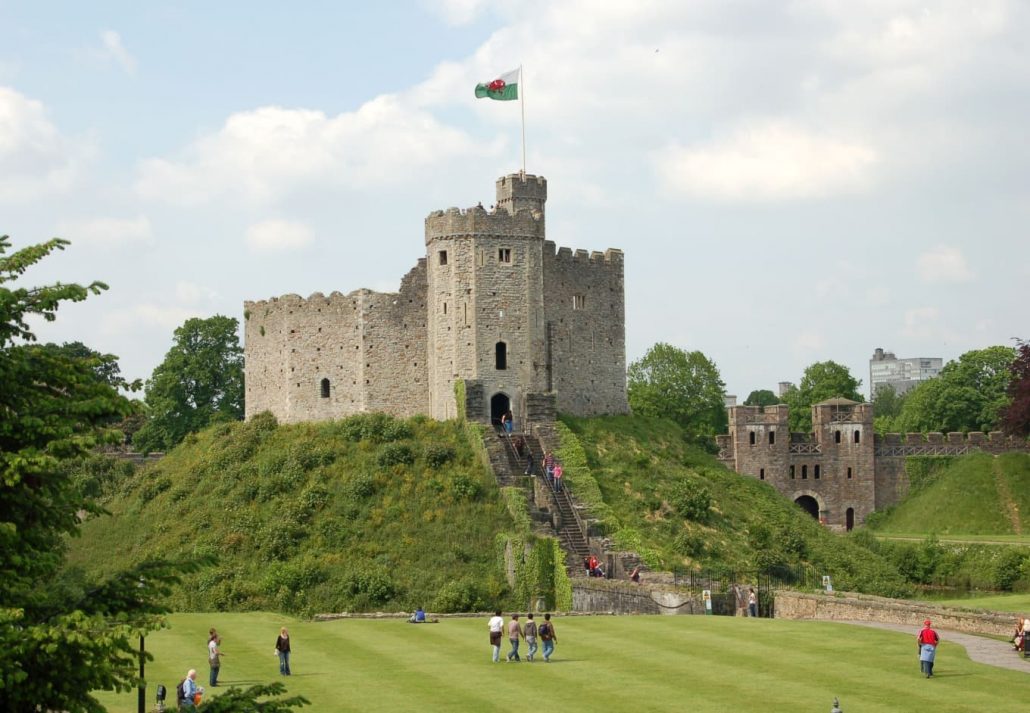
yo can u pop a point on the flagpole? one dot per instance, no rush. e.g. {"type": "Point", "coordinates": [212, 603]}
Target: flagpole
{"type": "Point", "coordinates": [522, 104]}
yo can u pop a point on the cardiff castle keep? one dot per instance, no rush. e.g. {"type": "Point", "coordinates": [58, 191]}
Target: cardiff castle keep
{"type": "Point", "coordinates": [494, 309]}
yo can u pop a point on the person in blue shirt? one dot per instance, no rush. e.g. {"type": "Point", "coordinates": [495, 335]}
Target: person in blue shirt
{"type": "Point", "coordinates": [419, 617]}
{"type": "Point", "coordinates": [190, 689]}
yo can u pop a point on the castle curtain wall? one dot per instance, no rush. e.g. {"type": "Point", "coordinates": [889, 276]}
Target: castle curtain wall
{"type": "Point", "coordinates": [584, 309]}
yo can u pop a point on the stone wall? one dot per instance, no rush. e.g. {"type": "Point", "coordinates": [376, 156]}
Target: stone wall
{"type": "Point", "coordinates": [619, 597]}
{"type": "Point", "coordinates": [586, 330]}
{"type": "Point", "coordinates": [841, 606]}
{"type": "Point", "coordinates": [537, 329]}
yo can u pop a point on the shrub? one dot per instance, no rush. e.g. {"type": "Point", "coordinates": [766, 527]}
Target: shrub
{"type": "Point", "coordinates": [460, 596]}
{"type": "Point", "coordinates": [374, 427]}
{"type": "Point", "coordinates": [360, 487]}
{"type": "Point", "coordinates": [437, 455]}
{"type": "Point", "coordinates": [465, 487]}
{"type": "Point", "coordinates": [396, 454]}
{"type": "Point", "coordinates": [374, 585]}
{"type": "Point", "coordinates": [691, 500]}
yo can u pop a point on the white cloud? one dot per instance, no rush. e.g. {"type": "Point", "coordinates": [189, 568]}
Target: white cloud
{"type": "Point", "coordinates": [188, 293]}
{"type": "Point", "coordinates": [35, 159]}
{"type": "Point", "coordinates": [263, 154]}
{"type": "Point", "coordinates": [115, 51]}
{"type": "Point", "coordinates": [809, 342]}
{"type": "Point", "coordinates": [767, 161]}
{"type": "Point", "coordinates": [943, 264]}
{"type": "Point", "coordinates": [146, 317]}
{"type": "Point", "coordinates": [457, 12]}
{"type": "Point", "coordinates": [921, 322]}
{"type": "Point", "coordinates": [271, 236]}
{"type": "Point", "coordinates": [107, 232]}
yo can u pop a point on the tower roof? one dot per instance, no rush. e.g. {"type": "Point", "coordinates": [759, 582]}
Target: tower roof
{"type": "Point", "coordinates": [838, 401]}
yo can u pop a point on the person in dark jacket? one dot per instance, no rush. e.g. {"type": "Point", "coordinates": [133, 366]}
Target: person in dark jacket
{"type": "Point", "coordinates": [282, 650]}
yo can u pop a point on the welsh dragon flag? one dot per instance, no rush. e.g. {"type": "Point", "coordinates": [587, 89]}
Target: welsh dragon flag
{"type": "Point", "coordinates": [504, 88]}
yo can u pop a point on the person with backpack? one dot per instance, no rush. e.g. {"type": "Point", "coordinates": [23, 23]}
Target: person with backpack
{"type": "Point", "coordinates": [548, 636]}
{"type": "Point", "coordinates": [530, 633]}
{"type": "Point", "coordinates": [187, 692]}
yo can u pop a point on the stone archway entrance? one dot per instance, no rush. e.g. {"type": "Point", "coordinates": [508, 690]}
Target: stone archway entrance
{"type": "Point", "coordinates": [849, 519]}
{"type": "Point", "coordinates": [809, 505]}
{"type": "Point", "coordinates": [499, 403]}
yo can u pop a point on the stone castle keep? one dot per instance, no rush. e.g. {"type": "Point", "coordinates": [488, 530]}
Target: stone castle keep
{"type": "Point", "coordinates": [842, 471]}
{"type": "Point", "coordinates": [493, 305]}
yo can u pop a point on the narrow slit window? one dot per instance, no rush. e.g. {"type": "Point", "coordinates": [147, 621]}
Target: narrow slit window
{"type": "Point", "coordinates": [792, 472]}
{"type": "Point", "coordinates": [858, 436]}
{"type": "Point", "coordinates": [325, 388]}
{"type": "Point", "coordinates": [804, 472]}
{"type": "Point", "coordinates": [849, 473]}
{"type": "Point", "coordinates": [501, 356]}
{"type": "Point", "coordinates": [772, 438]}
{"type": "Point", "coordinates": [836, 436]}
{"type": "Point", "coordinates": [504, 255]}
{"type": "Point", "coordinates": [751, 438]}
{"type": "Point", "coordinates": [443, 257]}
{"type": "Point", "coordinates": [445, 308]}
{"type": "Point", "coordinates": [816, 473]}
{"type": "Point", "coordinates": [761, 473]}
{"type": "Point", "coordinates": [579, 301]}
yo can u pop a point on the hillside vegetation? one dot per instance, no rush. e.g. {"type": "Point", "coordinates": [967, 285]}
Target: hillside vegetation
{"type": "Point", "coordinates": [361, 514]}
{"type": "Point", "coordinates": [977, 494]}
{"type": "Point", "coordinates": [682, 510]}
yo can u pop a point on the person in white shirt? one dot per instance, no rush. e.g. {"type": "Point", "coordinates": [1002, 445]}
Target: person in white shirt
{"type": "Point", "coordinates": [496, 626]}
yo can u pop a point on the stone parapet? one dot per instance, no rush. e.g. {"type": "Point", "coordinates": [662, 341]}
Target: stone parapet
{"type": "Point", "coordinates": [619, 597]}
{"type": "Point", "coordinates": [847, 606]}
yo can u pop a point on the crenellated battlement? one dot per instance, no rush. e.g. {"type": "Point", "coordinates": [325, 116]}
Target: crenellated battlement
{"type": "Point", "coordinates": [953, 443]}
{"type": "Point", "coordinates": [611, 256]}
{"type": "Point", "coordinates": [477, 221]}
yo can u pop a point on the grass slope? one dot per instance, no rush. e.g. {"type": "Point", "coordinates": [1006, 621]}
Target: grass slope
{"type": "Point", "coordinates": [681, 509]}
{"type": "Point", "coordinates": [977, 494]}
{"type": "Point", "coordinates": [702, 664]}
{"type": "Point", "coordinates": [365, 513]}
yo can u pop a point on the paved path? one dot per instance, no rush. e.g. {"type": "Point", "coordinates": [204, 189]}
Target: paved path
{"type": "Point", "coordinates": [980, 648]}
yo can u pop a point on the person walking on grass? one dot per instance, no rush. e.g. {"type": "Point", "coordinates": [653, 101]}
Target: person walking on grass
{"type": "Point", "coordinates": [547, 635]}
{"type": "Point", "coordinates": [214, 656]}
{"type": "Point", "coordinates": [282, 650]}
{"type": "Point", "coordinates": [752, 602]}
{"type": "Point", "coordinates": [927, 640]}
{"type": "Point", "coordinates": [190, 691]}
{"type": "Point", "coordinates": [514, 634]}
{"type": "Point", "coordinates": [496, 626]}
{"type": "Point", "coordinates": [530, 633]}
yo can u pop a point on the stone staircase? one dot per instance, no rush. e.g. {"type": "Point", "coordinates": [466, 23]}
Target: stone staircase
{"type": "Point", "coordinates": [546, 505]}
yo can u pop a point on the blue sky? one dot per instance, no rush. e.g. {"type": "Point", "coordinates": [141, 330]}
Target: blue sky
{"type": "Point", "coordinates": [791, 182]}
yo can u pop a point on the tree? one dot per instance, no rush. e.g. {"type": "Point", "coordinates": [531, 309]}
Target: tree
{"type": "Point", "coordinates": [236, 700]}
{"type": "Point", "coordinates": [1015, 418]}
{"type": "Point", "coordinates": [887, 404]}
{"type": "Point", "coordinates": [822, 380]}
{"type": "Point", "coordinates": [968, 395]}
{"type": "Point", "coordinates": [761, 397]}
{"type": "Point", "coordinates": [59, 641]}
{"type": "Point", "coordinates": [199, 382]}
{"type": "Point", "coordinates": [679, 385]}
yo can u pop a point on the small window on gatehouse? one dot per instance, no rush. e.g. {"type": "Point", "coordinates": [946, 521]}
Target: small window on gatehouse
{"type": "Point", "coordinates": [804, 472]}
{"type": "Point", "coordinates": [849, 473]}
{"type": "Point", "coordinates": [858, 436]}
{"type": "Point", "coordinates": [579, 301]}
{"type": "Point", "coordinates": [792, 472]}
{"type": "Point", "coordinates": [836, 436]}
{"type": "Point", "coordinates": [761, 473]}
{"type": "Point", "coordinates": [816, 473]}
{"type": "Point", "coordinates": [501, 356]}
{"type": "Point", "coordinates": [443, 257]}
{"type": "Point", "coordinates": [504, 255]}
{"type": "Point", "coordinates": [325, 388]}
{"type": "Point", "coordinates": [751, 438]}
{"type": "Point", "coordinates": [772, 438]}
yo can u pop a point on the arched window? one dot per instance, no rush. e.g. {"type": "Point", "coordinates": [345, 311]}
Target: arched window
{"type": "Point", "coordinates": [751, 438]}
{"type": "Point", "coordinates": [858, 436]}
{"type": "Point", "coordinates": [804, 472]}
{"type": "Point", "coordinates": [772, 438]}
{"type": "Point", "coordinates": [849, 519]}
{"type": "Point", "coordinates": [836, 437]}
{"type": "Point", "coordinates": [816, 474]}
{"type": "Point", "coordinates": [325, 388]}
{"type": "Point", "coordinates": [501, 356]}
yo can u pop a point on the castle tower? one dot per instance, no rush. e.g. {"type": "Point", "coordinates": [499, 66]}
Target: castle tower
{"type": "Point", "coordinates": [485, 308]}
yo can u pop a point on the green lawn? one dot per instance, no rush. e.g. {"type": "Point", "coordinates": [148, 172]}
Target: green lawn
{"type": "Point", "coordinates": [1019, 603]}
{"type": "Point", "coordinates": [601, 663]}
{"type": "Point", "coordinates": [1019, 540]}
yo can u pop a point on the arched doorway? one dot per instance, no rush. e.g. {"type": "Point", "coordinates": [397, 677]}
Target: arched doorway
{"type": "Point", "coordinates": [809, 505]}
{"type": "Point", "coordinates": [499, 403]}
{"type": "Point", "coordinates": [849, 519]}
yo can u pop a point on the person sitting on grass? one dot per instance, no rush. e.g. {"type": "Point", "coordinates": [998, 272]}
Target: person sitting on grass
{"type": "Point", "coordinates": [419, 617]}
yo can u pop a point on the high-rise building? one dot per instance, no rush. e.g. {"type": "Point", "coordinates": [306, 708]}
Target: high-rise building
{"type": "Point", "coordinates": [902, 374]}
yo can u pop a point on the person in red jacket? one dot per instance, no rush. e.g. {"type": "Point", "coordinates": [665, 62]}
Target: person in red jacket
{"type": "Point", "coordinates": [927, 641]}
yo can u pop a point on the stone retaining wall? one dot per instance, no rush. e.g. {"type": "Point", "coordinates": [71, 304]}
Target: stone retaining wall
{"type": "Point", "coordinates": [847, 606]}
{"type": "Point", "coordinates": [600, 595]}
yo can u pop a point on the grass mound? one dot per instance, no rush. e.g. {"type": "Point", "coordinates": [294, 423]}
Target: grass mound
{"type": "Point", "coordinates": [682, 510]}
{"type": "Point", "coordinates": [977, 494]}
{"type": "Point", "coordinates": [365, 513]}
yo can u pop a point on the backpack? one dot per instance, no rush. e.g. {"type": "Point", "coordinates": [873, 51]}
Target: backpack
{"type": "Point", "coordinates": [545, 631]}
{"type": "Point", "coordinates": [180, 695]}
